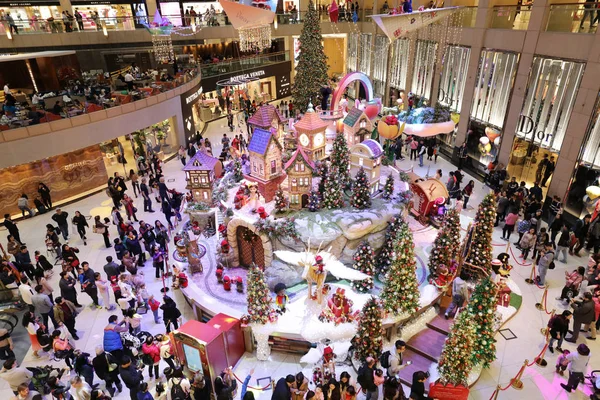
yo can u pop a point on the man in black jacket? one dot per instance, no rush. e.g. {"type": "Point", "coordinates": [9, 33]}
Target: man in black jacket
{"type": "Point", "coordinates": [12, 228]}
{"type": "Point", "coordinates": [365, 378]}
{"type": "Point", "coordinates": [102, 367]}
{"type": "Point", "coordinates": [111, 268]}
{"type": "Point", "coordinates": [146, 196]}
{"type": "Point", "coordinates": [131, 377]}
{"type": "Point", "coordinates": [282, 388]}
{"type": "Point", "coordinates": [60, 217]}
{"type": "Point", "coordinates": [583, 313]}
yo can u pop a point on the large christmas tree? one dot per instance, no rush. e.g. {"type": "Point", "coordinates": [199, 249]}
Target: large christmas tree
{"type": "Point", "coordinates": [332, 194]}
{"type": "Point", "coordinates": [384, 258]}
{"type": "Point", "coordinates": [480, 252]}
{"type": "Point", "coordinates": [446, 246]}
{"type": "Point", "coordinates": [455, 362]}
{"type": "Point", "coordinates": [482, 309]}
{"type": "Point", "coordinates": [361, 197]}
{"type": "Point", "coordinates": [364, 262]}
{"type": "Point", "coordinates": [311, 71]}
{"type": "Point", "coordinates": [323, 170]}
{"type": "Point", "coordinates": [401, 291]}
{"type": "Point", "coordinates": [388, 188]}
{"type": "Point", "coordinates": [340, 159]}
{"type": "Point", "coordinates": [258, 296]}
{"type": "Point", "coordinates": [281, 202]}
{"type": "Point", "coordinates": [368, 341]}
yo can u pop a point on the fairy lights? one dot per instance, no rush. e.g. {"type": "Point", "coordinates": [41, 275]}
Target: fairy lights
{"type": "Point", "coordinates": [163, 48]}
{"type": "Point", "coordinates": [255, 38]}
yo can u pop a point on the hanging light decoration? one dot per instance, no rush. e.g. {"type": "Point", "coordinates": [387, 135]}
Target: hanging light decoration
{"type": "Point", "coordinates": [163, 48]}
{"type": "Point", "coordinates": [255, 38]}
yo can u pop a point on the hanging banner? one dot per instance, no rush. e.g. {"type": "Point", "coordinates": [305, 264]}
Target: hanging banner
{"type": "Point", "coordinates": [396, 26]}
{"type": "Point", "coordinates": [242, 16]}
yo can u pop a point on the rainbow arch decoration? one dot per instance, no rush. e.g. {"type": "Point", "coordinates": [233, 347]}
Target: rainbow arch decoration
{"type": "Point", "coordinates": [346, 81]}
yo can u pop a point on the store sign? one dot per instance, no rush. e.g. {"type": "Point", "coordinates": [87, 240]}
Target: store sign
{"type": "Point", "coordinates": [240, 78]}
{"type": "Point", "coordinates": [528, 129]}
{"type": "Point", "coordinates": [188, 99]}
{"type": "Point", "coordinates": [281, 71]}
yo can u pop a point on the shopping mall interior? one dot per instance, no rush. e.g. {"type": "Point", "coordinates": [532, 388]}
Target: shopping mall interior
{"type": "Point", "coordinates": [394, 144]}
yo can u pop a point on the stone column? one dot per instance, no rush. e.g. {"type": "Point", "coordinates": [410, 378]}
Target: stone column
{"type": "Point", "coordinates": [65, 5]}
{"type": "Point", "coordinates": [151, 7]}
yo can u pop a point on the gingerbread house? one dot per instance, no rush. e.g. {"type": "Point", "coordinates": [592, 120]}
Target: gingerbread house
{"type": "Point", "coordinates": [265, 162]}
{"type": "Point", "coordinates": [367, 155]}
{"type": "Point", "coordinates": [357, 126]}
{"type": "Point", "coordinates": [268, 118]}
{"type": "Point", "coordinates": [310, 131]}
{"type": "Point", "coordinates": [200, 173]}
{"type": "Point", "coordinates": [299, 170]}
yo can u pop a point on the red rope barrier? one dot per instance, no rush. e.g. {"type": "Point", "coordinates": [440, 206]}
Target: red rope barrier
{"type": "Point", "coordinates": [516, 260]}
{"type": "Point", "coordinates": [252, 387]}
{"type": "Point", "coordinates": [512, 380]}
{"type": "Point", "coordinates": [538, 356]}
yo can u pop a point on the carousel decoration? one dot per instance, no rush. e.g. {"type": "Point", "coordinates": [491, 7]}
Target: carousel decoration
{"type": "Point", "coordinates": [252, 23]}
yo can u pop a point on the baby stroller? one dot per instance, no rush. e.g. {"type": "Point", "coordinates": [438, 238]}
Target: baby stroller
{"type": "Point", "coordinates": [41, 375]}
{"type": "Point", "coordinates": [132, 345]}
{"type": "Point", "coordinates": [594, 378]}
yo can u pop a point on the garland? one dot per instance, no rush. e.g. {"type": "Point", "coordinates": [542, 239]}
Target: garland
{"type": "Point", "coordinates": [281, 228]}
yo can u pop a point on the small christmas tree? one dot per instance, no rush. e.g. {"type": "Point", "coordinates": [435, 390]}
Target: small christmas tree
{"type": "Point", "coordinates": [361, 197]}
{"type": "Point", "coordinates": [340, 159]}
{"type": "Point", "coordinates": [481, 310]}
{"type": "Point", "coordinates": [258, 296]}
{"type": "Point", "coordinates": [447, 243]}
{"type": "Point", "coordinates": [480, 252]}
{"type": "Point", "coordinates": [368, 341]}
{"type": "Point", "coordinates": [388, 188]}
{"type": "Point", "coordinates": [384, 258]}
{"type": "Point", "coordinates": [332, 196]}
{"type": "Point", "coordinates": [314, 202]}
{"type": "Point", "coordinates": [455, 362]}
{"type": "Point", "coordinates": [237, 170]}
{"type": "Point", "coordinates": [401, 291]}
{"type": "Point", "coordinates": [322, 172]}
{"type": "Point", "coordinates": [364, 262]}
{"type": "Point", "coordinates": [281, 202]}
{"type": "Point", "coordinates": [311, 70]}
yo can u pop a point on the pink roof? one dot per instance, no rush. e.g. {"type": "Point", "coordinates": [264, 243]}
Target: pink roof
{"type": "Point", "coordinates": [264, 115]}
{"type": "Point", "coordinates": [311, 122]}
{"type": "Point", "coordinates": [293, 158]}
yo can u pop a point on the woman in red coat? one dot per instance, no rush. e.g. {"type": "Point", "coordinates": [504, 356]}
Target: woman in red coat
{"type": "Point", "coordinates": [151, 351]}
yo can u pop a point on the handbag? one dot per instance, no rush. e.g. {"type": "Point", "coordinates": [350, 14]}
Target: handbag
{"type": "Point", "coordinates": [134, 209]}
{"type": "Point", "coordinates": [75, 263]}
{"type": "Point", "coordinates": [111, 366]}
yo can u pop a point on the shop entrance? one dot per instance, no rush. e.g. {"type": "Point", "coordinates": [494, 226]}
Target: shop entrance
{"type": "Point", "coordinates": [304, 200]}
{"type": "Point", "coordinates": [265, 87]}
{"type": "Point", "coordinates": [250, 248]}
{"type": "Point", "coordinates": [531, 163]}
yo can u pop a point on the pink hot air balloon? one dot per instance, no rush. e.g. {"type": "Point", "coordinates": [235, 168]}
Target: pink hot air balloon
{"type": "Point", "coordinates": [333, 11]}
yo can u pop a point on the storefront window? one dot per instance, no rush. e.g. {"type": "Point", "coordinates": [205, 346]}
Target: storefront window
{"type": "Point", "coordinates": [172, 11]}
{"type": "Point", "coordinates": [551, 93]}
{"type": "Point", "coordinates": [113, 16]}
{"type": "Point", "coordinates": [584, 195]}
{"type": "Point", "coordinates": [454, 76]}
{"type": "Point", "coordinates": [425, 57]}
{"type": "Point", "coordinates": [121, 154]}
{"type": "Point", "coordinates": [28, 17]}
{"type": "Point", "coordinates": [380, 67]}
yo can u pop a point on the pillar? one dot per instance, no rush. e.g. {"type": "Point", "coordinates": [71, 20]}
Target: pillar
{"type": "Point", "coordinates": [151, 7]}
{"type": "Point", "coordinates": [65, 5]}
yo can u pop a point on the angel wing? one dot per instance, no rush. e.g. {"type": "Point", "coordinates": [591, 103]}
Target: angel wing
{"type": "Point", "coordinates": [300, 258]}
{"type": "Point", "coordinates": [339, 270]}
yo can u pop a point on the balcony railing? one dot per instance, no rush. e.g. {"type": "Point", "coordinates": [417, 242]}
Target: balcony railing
{"type": "Point", "coordinates": [101, 98]}
{"type": "Point", "coordinates": [243, 63]}
{"type": "Point", "coordinates": [511, 17]}
{"type": "Point", "coordinates": [576, 18]}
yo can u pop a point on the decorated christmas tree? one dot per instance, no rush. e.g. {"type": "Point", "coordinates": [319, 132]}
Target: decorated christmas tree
{"type": "Point", "coordinates": [388, 188]}
{"type": "Point", "coordinates": [340, 159]}
{"type": "Point", "coordinates": [311, 70]}
{"type": "Point", "coordinates": [368, 341]}
{"type": "Point", "coordinates": [361, 197]}
{"type": "Point", "coordinates": [480, 253]}
{"type": "Point", "coordinates": [481, 310]}
{"type": "Point", "coordinates": [455, 363]}
{"type": "Point", "coordinates": [322, 172]}
{"type": "Point", "coordinates": [384, 258]}
{"type": "Point", "coordinates": [258, 296]}
{"type": "Point", "coordinates": [364, 262]}
{"type": "Point", "coordinates": [314, 202]}
{"type": "Point", "coordinates": [401, 291]}
{"type": "Point", "coordinates": [281, 202]}
{"type": "Point", "coordinates": [237, 170]}
{"type": "Point", "coordinates": [332, 194]}
{"type": "Point", "coordinates": [446, 246]}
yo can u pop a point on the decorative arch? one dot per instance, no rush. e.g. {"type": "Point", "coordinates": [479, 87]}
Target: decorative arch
{"type": "Point", "coordinates": [232, 239]}
{"type": "Point", "coordinates": [346, 81]}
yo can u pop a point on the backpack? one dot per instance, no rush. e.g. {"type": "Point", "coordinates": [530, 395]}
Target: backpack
{"type": "Point", "coordinates": [147, 359]}
{"type": "Point", "coordinates": [177, 392]}
{"type": "Point", "coordinates": [360, 375]}
{"type": "Point", "coordinates": [384, 359]}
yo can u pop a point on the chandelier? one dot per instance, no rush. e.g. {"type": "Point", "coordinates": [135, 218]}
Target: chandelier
{"type": "Point", "coordinates": [162, 46]}
{"type": "Point", "coordinates": [255, 38]}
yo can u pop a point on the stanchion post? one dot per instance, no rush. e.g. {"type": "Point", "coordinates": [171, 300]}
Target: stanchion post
{"type": "Point", "coordinates": [540, 360]}
{"type": "Point", "coordinates": [516, 382]}
{"type": "Point", "coordinates": [546, 331]}
{"type": "Point", "coordinates": [540, 305]}
{"type": "Point", "coordinates": [530, 280]}
{"type": "Point", "coordinates": [496, 393]}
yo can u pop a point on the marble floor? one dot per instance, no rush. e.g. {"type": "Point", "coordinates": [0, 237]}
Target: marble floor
{"type": "Point", "coordinates": [539, 383]}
